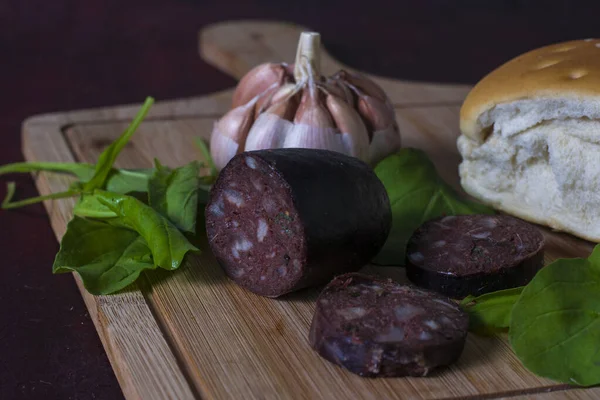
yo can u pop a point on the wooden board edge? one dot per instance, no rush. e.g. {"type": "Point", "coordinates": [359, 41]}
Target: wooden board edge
{"type": "Point", "coordinates": [209, 105]}
{"type": "Point", "coordinates": [159, 357]}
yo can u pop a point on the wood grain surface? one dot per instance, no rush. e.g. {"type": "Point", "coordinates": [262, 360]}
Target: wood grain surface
{"type": "Point", "coordinates": [193, 333]}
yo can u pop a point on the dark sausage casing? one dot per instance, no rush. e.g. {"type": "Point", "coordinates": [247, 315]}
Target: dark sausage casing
{"type": "Point", "coordinates": [474, 254]}
{"type": "Point", "coordinates": [284, 219]}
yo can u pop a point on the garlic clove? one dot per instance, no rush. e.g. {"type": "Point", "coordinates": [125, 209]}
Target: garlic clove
{"type": "Point", "coordinates": [376, 113]}
{"type": "Point", "coordinates": [285, 93]}
{"type": "Point", "coordinates": [222, 149]}
{"type": "Point", "coordinates": [285, 109]}
{"type": "Point", "coordinates": [258, 80]}
{"type": "Point", "coordinates": [384, 143]}
{"type": "Point", "coordinates": [361, 82]}
{"type": "Point", "coordinates": [229, 133]}
{"type": "Point", "coordinates": [267, 132]}
{"type": "Point", "coordinates": [311, 110]}
{"type": "Point", "coordinates": [354, 133]}
{"type": "Point", "coordinates": [314, 137]}
{"type": "Point", "coordinates": [340, 90]}
{"type": "Point", "coordinates": [265, 98]}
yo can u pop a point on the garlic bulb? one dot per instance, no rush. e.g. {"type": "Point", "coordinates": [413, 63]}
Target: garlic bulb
{"type": "Point", "coordinates": [282, 105]}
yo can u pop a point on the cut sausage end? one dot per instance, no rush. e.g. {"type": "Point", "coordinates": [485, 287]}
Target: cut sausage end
{"type": "Point", "coordinates": [254, 230]}
{"type": "Point", "coordinates": [474, 254]}
{"type": "Point", "coordinates": [379, 328]}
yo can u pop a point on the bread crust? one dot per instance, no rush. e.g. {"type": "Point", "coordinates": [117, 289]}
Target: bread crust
{"type": "Point", "coordinates": [563, 70]}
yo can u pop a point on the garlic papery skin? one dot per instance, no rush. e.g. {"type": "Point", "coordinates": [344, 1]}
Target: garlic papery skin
{"type": "Point", "coordinates": [362, 83]}
{"type": "Point", "coordinates": [268, 132]}
{"type": "Point", "coordinates": [281, 105]}
{"type": "Point", "coordinates": [353, 130]}
{"type": "Point", "coordinates": [340, 90]}
{"type": "Point", "coordinates": [313, 126]}
{"type": "Point", "coordinates": [312, 137]}
{"type": "Point", "coordinates": [259, 79]}
{"type": "Point", "coordinates": [382, 141]}
{"type": "Point", "coordinates": [283, 98]}
{"type": "Point", "coordinates": [230, 132]}
{"type": "Point", "coordinates": [308, 57]}
{"type": "Point", "coordinates": [378, 114]}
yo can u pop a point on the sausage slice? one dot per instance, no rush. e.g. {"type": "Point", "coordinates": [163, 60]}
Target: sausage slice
{"type": "Point", "coordinates": [379, 328]}
{"type": "Point", "coordinates": [474, 254]}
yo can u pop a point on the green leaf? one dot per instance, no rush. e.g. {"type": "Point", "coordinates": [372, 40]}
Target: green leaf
{"type": "Point", "coordinates": [128, 180]}
{"type": "Point", "coordinates": [555, 324]}
{"type": "Point", "coordinates": [89, 206]}
{"type": "Point", "coordinates": [81, 170]}
{"type": "Point", "coordinates": [109, 155]}
{"type": "Point", "coordinates": [174, 194]}
{"type": "Point", "coordinates": [106, 258]}
{"type": "Point", "coordinates": [119, 181]}
{"type": "Point", "coordinates": [417, 194]}
{"type": "Point", "coordinates": [490, 312]}
{"type": "Point", "coordinates": [167, 244]}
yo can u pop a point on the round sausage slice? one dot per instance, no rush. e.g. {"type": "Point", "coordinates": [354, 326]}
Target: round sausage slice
{"type": "Point", "coordinates": [281, 220]}
{"type": "Point", "coordinates": [379, 328]}
{"type": "Point", "coordinates": [474, 254]}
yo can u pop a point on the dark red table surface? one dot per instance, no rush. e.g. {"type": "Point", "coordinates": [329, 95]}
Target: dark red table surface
{"type": "Point", "coordinates": [69, 54]}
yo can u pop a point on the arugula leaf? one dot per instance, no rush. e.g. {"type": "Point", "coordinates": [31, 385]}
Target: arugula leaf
{"type": "Point", "coordinates": [109, 155]}
{"type": "Point", "coordinates": [121, 181]}
{"type": "Point", "coordinates": [106, 258]}
{"type": "Point", "coordinates": [490, 312]}
{"type": "Point", "coordinates": [89, 206]}
{"type": "Point", "coordinates": [128, 180]}
{"type": "Point", "coordinates": [174, 194]}
{"type": "Point", "coordinates": [121, 235]}
{"type": "Point", "coordinates": [417, 194]}
{"type": "Point", "coordinates": [167, 244]}
{"type": "Point", "coordinates": [90, 177]}
{"type": "Point", "coordinates": [555, 324]}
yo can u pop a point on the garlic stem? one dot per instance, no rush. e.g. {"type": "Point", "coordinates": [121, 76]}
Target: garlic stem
{"type": "Point", "coordinates": [308, 57]}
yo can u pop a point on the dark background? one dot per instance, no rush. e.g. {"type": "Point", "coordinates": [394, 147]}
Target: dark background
{"type": "Point", "coordinates": [68, 54]}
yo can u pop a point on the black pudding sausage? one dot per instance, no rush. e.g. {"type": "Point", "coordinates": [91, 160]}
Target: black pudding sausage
{"type": "Point", "coordinates": [285, 219]}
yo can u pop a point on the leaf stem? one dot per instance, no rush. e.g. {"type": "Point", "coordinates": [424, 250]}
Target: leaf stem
{"type": "Point", "coordinates": [24, 167]}
{"type": "Point", "coordinates": [11, 188]}
{"type": "Point", "coordinates": [109, 155]}
{"type": "Point", "coordinates": [206, 155]}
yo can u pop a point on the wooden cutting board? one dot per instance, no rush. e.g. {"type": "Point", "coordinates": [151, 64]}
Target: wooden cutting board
{"type": "Point", "coordinates": [194, 334]}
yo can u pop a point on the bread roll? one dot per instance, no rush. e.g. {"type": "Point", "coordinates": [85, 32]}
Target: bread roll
{"type": "Point", "coordinates": [530, 138]}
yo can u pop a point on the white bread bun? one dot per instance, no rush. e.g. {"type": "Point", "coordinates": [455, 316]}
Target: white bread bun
{"type": "Point", "coordinates": [530, 138]}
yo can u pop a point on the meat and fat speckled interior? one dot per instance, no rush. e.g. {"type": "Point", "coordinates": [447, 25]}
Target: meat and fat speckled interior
{"type": "Point", "coordinates": [254, 228]}
{"type": "Point", "coordinates": [380, 328]}
{"type": "Point", "coordinates": [467, 245]}
{"type": "Point", "coordinates": [386, 312]}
